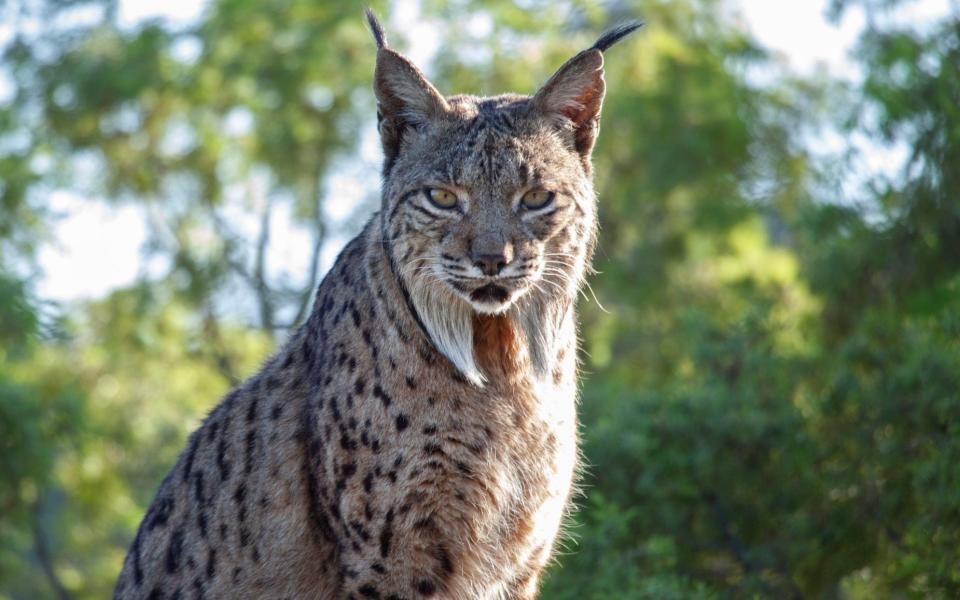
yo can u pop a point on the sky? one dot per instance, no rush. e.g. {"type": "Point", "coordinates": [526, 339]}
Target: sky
{"type": "Point", "coordinates": [93, 234]}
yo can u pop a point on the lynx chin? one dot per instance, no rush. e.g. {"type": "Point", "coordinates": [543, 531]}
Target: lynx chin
{"type": "Point", "coordinates": [416, 437]}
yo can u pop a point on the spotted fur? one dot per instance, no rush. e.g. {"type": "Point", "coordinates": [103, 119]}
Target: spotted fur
{"type": "Point", "coordinates": [416, 437]}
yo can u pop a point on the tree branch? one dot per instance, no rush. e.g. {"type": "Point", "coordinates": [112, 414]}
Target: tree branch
{"type": "Point", "coordinates": [262, 289]}
{"type": "Point", "coordinates": [41, 548]}
{"type": "Point", "coordinates": [732, 541]}
{"type": "Point", "coordinates": [224, 362]}
{"type": "Point", "coordinates": [306, 294]}
{"type": "Point", "coordinates": [737, 548]}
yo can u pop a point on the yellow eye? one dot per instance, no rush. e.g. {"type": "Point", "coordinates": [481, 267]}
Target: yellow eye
{"type": "Point", "coordinates": [536, 199]}
{"type": "Point", "coordinates": [442, 198]}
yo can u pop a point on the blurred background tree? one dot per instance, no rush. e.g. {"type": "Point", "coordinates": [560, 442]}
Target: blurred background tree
{"type": "Point", "coordinates": [771, 403]}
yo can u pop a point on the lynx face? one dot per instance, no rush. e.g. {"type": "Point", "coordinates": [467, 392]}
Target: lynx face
{"type": "Point", "coordinates": [491, 203]}
{"type": "Point", "coordinates": [488, 206]}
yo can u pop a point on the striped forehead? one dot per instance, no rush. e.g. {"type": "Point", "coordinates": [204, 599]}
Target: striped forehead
{"type": "Point", "coordinates": [489, 149]}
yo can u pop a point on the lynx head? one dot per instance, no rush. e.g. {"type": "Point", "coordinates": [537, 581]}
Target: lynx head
{"type": "Point", "coordinates": [488, 205]}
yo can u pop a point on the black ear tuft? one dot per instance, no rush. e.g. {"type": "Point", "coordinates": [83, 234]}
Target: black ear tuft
{"type": "Point", "coordinates": [616, 34]}
{"type": "Point", "coordinates": [376, 28]}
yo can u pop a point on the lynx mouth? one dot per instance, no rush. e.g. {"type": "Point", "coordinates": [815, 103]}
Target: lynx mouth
{"type": "Point", "coordinates": [490, 293]}
{"type": "Point", "coordinates": [491, 299]}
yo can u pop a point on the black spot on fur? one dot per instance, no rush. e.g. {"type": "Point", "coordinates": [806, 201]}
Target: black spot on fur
{"type": "Point", "coordinates": [191, 453]}
{"type": "Point", "coordinates": [426, 587]}
{"type": "Point", "coordinates": [222, 463]}
{"type": "Point", "coordinates": [239, 495]}
{"type": "Point", "coordinates": [347, 442]}
{"type": "Point", "coordinates": [211, 562]}
{"type": "Point", "coordinates": [355, 315]}
{"type": "Point", "coordinates": [357, 526]}
{"type": "Point", "coordinates": [251, 444]}
{"type": "Point", "coordinates": [202, 522]}
{"type": "Point", "coordinates": [335, 410]}
{"type": "Point", "coordinates": [382, 395]}
{"type": "Point", "coordinates": [160, 513]}
{"type": "Point", "coordinates": [443, 557]}
{"type": "Point", "coordinates": [174, 552]}
{"type": "Point", "coordinates": [198, 488]}
{"type": "Point", "coordinates": [386, 534]}
{"type": "Point", "coordinates": [424, 523]}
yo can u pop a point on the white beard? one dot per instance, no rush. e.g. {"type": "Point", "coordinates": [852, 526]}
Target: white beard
{"type": "Point", "coordinates": [448, 319]}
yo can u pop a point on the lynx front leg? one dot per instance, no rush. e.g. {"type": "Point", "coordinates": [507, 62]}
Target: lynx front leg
{"type": "Point", "coordinates": [402, 559]}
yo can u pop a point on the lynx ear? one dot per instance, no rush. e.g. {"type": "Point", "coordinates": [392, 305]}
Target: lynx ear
{"type": "Point", "coordinates": [405, 99]}
{"type": "Point", "coordinates": [574, 94]}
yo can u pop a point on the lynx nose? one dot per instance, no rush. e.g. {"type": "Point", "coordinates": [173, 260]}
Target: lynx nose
{"type": "Point", "coordinates": [490, 264]}
{"type": "Point", "coordinates": [491, 253]}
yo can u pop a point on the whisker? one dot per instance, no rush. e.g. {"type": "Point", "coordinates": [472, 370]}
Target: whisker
{"type": "Point", "coordinates": [566, 278]}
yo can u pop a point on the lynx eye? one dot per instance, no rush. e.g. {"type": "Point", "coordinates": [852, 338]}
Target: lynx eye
{"type": "Point", "coordinates": [441, 197]}
{"type": "Point", "coordinates": [536, 199]}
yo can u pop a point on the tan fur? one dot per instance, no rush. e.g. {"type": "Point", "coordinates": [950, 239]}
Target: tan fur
{"type": "Point", "coordinates": [416, 437]}
{"type": "Point", "coordinates": [497, 346]}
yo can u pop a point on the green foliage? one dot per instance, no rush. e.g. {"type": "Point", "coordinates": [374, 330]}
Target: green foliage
{"type": "Point", "coordinates": [771, 405]}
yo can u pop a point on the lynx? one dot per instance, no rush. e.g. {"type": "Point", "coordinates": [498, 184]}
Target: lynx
{"type": "Point", "coordinates": [416, 437]}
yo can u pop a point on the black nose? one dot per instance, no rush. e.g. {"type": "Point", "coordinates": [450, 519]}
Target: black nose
{"type": "Point", "coordinates": [491, 252]}
{"type": "Point", "coordinates": [490, 264]}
